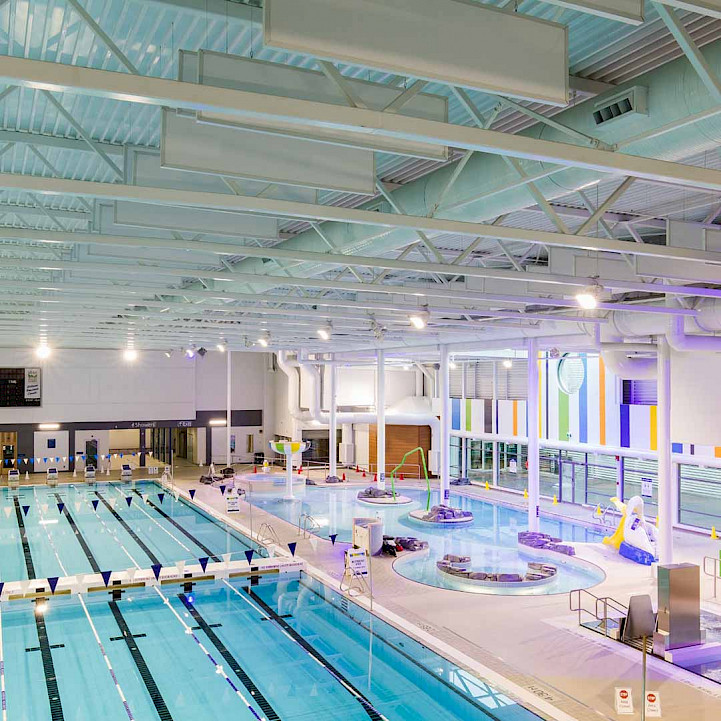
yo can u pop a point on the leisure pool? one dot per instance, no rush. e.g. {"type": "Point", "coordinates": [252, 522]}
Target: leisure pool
{"type": "Point", "coordinates": [491, 541]}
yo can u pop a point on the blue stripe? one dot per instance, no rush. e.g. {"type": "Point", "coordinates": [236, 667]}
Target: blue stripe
{"type": "Point", "coordinates": [625, 427]}
{"type": "Point", "coordinates": [583, 405]}
{"type": "Point", "coordinates": [677, 448]}
{"type": "Point", "coordinates": [456, 414]}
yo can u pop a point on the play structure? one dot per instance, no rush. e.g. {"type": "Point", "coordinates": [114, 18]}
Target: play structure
{"type": "Point", "coordinates": [634, 538]}
{"type": "Point", "coordinates": [459, 567]}
{"type": "Point", "coordinates": [289, 449]}
{"type": "Point", "coordinates": [380, 497]}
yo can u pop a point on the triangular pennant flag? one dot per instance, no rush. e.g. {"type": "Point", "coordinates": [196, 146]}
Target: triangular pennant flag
{"type": "Point", "coordinates": [8, 511]}
{"type": "Point", "coordinates": [53, 582]}
{"type": "Point", "coordinates": [249, 555]}
{"type": "Point", "coordinates": [161, 496]}
{"type": "Point", "coordinates": [156, 570]}
{"type": "Point", "coordinates": [222, 490]}
{"type": "Point", "coordinates": [65, 458]}
{"type": "Point", "coordinates": [291, 548]}
{"type": "Point", "coordinates": [38, 460]}
{"type": "Point", "coordinates": [112, 502]}
{"type": "Point", "coordinates": [106, 577]}
{"type": "Point", "coordinates": [95, 504]}
{"type": "Point", "coordinates": [121, 455]}
{"type": "Point", "coordinates": [314, 542]}
{"type": "Point", "coordinates": [57, 459]}
{"type": "Point", "coordinates": [180, 565]}
{"type": "Point", "coordinates": [226, 558]}
{"type": "Point", "coordinates": [203, 563]}
{"type": "Point", "coordinates": [26, 509]}
{"type": "Point", "coordinates": [192, 493]}
{"type": "Point", "coordinates": [60, 507]}
{"type": "Point", "coordinates": [332, 537]}
{"type": "Point", "coordinates": [44, 507]}
{"type": "Point", "coordinates": [131, 574]}
{"type": "Point", "coordinates": [128, 500]}
{"type": "Point", "coordinates": [2, 585]}
{"type": "Point", "coordinates": [45, 460]}
{"type": "Point", "coordinates": [144, 496]}
{"type": "Point", "coordinates": [78, 505]}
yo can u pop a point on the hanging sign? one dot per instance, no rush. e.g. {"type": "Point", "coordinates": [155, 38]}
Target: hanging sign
{"type": "Point", "coordinates": [357, 560]}
{"type": "Point", "coordinates": [623, 701]}
{"type": "Point", "coordinates": [653, 705]}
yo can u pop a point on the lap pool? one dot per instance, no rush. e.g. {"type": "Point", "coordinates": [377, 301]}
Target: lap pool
{"type": "Point", "coordinates": [289, 649]}
{"type": "Point", "coordinates": [491, 541]}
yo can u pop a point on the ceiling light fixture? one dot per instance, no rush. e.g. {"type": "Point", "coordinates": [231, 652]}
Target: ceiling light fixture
{"type": "Point", "coordinates": [190, 352]}
{"type": "Point", "coordinates": [43, 351]}
{"type": "Point", "coordinates": [130, 354]}
{"type": "Point", "coordinates": [507, 363]}
{"type": "Point", "coordinates": [588, 297]}
{"type": "Point", "coordinates": [222, 345]}
{"type": "Point", "coordinates": [264, 340]}
{"type": "Point", "coordinates": [168, 353]}
{"type": "Point", "coordinates": [419, 320]}
{"type": "Point", "coordinates": [325, 331]}
{"type": "Point", "coordinates": [217, 422]}
{"type": "Point", "coordinates": [48, 426]}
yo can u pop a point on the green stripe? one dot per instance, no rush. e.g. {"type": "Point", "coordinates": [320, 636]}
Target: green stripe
{"type": "Point", "coordinates": [468, 414]}
{"type": "Point", "coordinates": [563, 424]}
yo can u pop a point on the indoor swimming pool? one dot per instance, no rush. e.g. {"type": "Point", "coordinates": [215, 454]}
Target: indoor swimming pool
{"type": "Point", "coordinates": [491, 541]}
{"type": "Point", "coordinates": [47, 532]}
{"type": "Point", "coordinates": [277, 651]}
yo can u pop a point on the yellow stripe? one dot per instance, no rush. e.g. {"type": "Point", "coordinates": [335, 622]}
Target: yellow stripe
{"type": "Point", "coordinates": [654, 428]}
{"type": "Point", "coordinates": [717, 451]}
{"type": "Point", "coordinates": [515, 418]}
{"type": "Point", "coordinates": [601, 401]}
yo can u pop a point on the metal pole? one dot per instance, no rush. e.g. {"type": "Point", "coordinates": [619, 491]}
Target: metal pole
{"type": "Point", "coordinates": [333, 425]}
{"type": "Point", "coordinates": [643, 699]}
{"type": "Point", "coordinates": [381, 417]}
{"type": "Point", "coordinates": [464, 443]}
{"type": "Point", "coordinates": [665, 477]}
{"type": "Point", "coordinates": [494, 426]}
{"type": "Point", "coordinates": [534, 490]}
{"type": "Point", "coordinates": [228, 388]}
{"type": "Point", "coordinates": [445, 396]}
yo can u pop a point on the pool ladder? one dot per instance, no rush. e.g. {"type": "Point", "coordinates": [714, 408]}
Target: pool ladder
{"type": "Point", "coordinates": [267, 534]}
{"type": "Point", "coordinates": [307, 525]}
{"type": "Point", "coordinates": [352, 581]}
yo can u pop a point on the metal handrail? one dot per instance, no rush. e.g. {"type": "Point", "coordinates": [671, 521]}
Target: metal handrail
{"type": "Point", "coordinates": [606, 601]}
{"type": "Point", "coordinates": [715, 572]}
{"type": "Point", "coordinates": [351, 574]}
{"type": "Point", "coordinates": [267, 534]}
{"type": "Point", "coordinates": [307, 524]}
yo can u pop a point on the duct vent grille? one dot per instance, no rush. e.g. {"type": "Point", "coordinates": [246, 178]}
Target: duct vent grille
{"type": "Point", "coordinates": [632, 101]}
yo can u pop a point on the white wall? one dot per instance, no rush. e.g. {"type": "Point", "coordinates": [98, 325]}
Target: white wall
{"type": "Point", "coordinates": [696, 398]}
{"type": "Point", "coordinates": [247, 375]}
{"type": "Point", "coordinates": [219, 439]}
{"type": "Point", "coordinates": [61, 449]}
{"type": "Point", "coordinates": [362, 444]}
{"type": "Point", "coordinates": [125, 438]}
{"type": "Point", "coordinates": [357, 386]}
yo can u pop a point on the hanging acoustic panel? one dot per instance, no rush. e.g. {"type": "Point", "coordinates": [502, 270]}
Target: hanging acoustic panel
{"type": "Point", "coordinates": [449, 41]}
{"type": "Point", "coordinates": [239, 153]}
{"type": "Point", "coordinates": [257, 76]}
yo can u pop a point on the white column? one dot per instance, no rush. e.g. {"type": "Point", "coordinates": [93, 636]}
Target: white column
{"type": "Point", "coordinates": [444, 387]}
{"type": "Point", "coordinates": [494, 424]}
{"type": "Point", "coordinates": [332, 425]}
{"type": "Point", "coordinates": [288, 475]}
{"type": "Point", "coordinates": [665, 477]}
{"type": "Point", "coordinates": [464, 464]}
{"type": "Point", "coordinates": [228, 407]}
{"type": "Point", "coordinates": [534, 490]}
{"type": "Point", "coordinates": [381, 417]}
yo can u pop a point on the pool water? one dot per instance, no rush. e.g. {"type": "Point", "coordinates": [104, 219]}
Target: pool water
{"type": "Point", "coordinates": [117, 534]}
{"type": "Point", "coordinates": [287, 650]}
{"type": "Point", "coordinates": [491, 540]}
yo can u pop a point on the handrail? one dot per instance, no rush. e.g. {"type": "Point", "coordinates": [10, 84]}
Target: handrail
{"type": "Point", "coordinates": [606, 601]}
{"type": "Point", "coordinates": [271, 535]}
{"type": "Point", "coordinates": [307, 524]}
{"type": "Point", "coordinates": [715, 572]}
{"type": "Point", "coordinates": [351, 574]}
{"type": "Point", "coordinates": [422, 454]}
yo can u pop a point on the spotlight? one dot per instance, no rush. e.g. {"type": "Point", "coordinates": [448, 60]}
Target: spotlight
{"type": "Point", "coordinates": [168, 353]}
{"type": "Point", "coordinates": [452, 365]}
{"type": "Point", "coordinates": [264, 339]}
{"type": "Point", "coordinates": [507, 363]}
{"type": "Point", "coordinates": [420, 319]}
{"type": "Point", "coordinates": [190, 352]}
{"type": "Point", "coordinates": [325, 331]}
{"type": "Point", "coordinates": [41, 607]}
{"type": "Point", "coordinates": [222, 346]}
{"type": "Point", "coordinates": [202, 352]}
{"type": "Point", "coordinates": [130, 354]}
{"type": "Point", "coordinates": [588, 297]}
{"type": "Point", "coordinates": [43, 351]}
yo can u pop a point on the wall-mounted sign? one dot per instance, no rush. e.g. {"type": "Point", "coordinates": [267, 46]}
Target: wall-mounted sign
{"type": "Point", "coordinates": [32, 384]}
{"type": "Point", "coordinates": [647, 487]}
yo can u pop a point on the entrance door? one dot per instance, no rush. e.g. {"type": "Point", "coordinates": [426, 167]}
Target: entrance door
{"type": "Point", "coordinates": [91, 453]}
{"type": "Point", "coordinates": [568, 482]}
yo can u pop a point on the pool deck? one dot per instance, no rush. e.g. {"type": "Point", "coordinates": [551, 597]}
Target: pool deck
{"type": "Point", "coordinates": [534, 642]}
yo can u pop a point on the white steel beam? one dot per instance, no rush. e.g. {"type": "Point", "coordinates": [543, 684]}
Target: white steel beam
{"type": "Point", "coordinates": [310, 211]}
{"type": "Point", "coordinates": [711, 8]}
{"type": "Point", "coordinates": [625, 11]}
{"type": "Point", "coordinates": [161, 92]}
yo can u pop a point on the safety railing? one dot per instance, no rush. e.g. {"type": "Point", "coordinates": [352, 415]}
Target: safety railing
{"type": "Point", "coordinates": [415, 471]}
{"type": "Point", "coordinates": [714, 564]}
{"type": "Point", "coordinates": [307, 525]}
{"type": "Point", "coordinates": [352, 581]}
{"type": "Point", "coordinates": [603, 609]}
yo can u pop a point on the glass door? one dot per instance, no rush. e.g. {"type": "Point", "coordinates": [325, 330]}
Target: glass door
{"type": "Point", "coordinates": [568, 482]}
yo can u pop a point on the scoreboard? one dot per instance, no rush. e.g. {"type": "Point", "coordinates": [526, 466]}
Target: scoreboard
{"type": "Point", "coordinates": [19, 387]}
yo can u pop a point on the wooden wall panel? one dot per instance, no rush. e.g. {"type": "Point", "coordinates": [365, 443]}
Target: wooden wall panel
{"type": "Point", "coordinates": [400, 440]}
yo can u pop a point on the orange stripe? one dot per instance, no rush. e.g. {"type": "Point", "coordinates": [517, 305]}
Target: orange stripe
{"type": "Point", "coordinates": [601, 401]}
{"type": "Point", "coordinates": [654, 428]}
{"type": "Point", "coordinates": [717, 451]}
{"type": "Point", "coordinates": [515, 418]}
